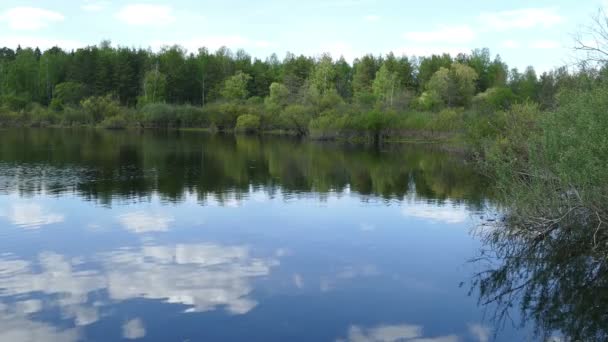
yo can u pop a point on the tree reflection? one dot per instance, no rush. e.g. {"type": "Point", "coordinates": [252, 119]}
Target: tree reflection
{"type": "Point", "coordinates": [104, 166]}
{"type": "Point", "coordinates": [555, 272]}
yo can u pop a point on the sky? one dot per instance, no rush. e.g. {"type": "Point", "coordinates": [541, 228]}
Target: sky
{"type": "Point", "coordinates": [538, 33]}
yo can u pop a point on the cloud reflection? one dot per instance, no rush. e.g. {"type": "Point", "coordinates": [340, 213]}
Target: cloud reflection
{"type": "Point", "coordinates": [393, 333]}
{"type": "Point", "coordinates": [134, 329]}
{"type": "Point", "coordinates": [31, 215]}
{"type": "Point", "coordinates": [17, 327]}
{"type": "Point", "coordinates": [202, 277]}
{"type": "Point", "coordinates": [142, 222]}
{"type": "Point", "coordinates": [409, 333]}
{"type": "Point", "coordinates": [450, 214]}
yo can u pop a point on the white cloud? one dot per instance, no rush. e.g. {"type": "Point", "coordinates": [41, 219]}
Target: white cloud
{"type": "Point", "coordinates": [446, 214]}
{"type": "Point", "coordinates": [30, 18]}
{"type": "Point", "coordinates": [511, 44]}
{"type": "Point", "coordinates": [134, 329]}
{"type": "Point", "coordinates": [31, 215]}
{"type": "Point", "coordinates": [94, 6]}
{"type": "Point", "coordinates": [372, 18]}
{"type": "Point", "coordinates": [521, 18]}
{"type": "Point", "coordinates": [146, 15]}
{"type": "Point", "coordinates": [444, 34]}
{"type": "Point", "coordinates": [544, 44]}
{"type": "Point", "coordinates": [143, 222]}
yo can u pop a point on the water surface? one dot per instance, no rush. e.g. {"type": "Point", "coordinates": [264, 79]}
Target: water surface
{"type": "Point", "coordinates": [169, 236]}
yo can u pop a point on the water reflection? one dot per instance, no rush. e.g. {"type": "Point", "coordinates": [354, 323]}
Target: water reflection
{"type": "Point", "coordinates": [134, 329]}
{"type": "Point", "coordinates": [142, 222]}
{"type": "Point", "coordinates": [17, 327]}
{"type": "Point", "coordinates": [166, 236]}
{"type": "Point", "coordinates": [30, 215]}
{"type": "Point", "coordinates": [410, 333]}
{"type": "Point", "coordinates": [201, 277]}
{"type": "Point", "coordinates": [110, 166]}
{"type": "Point", "coordinates": [448, 212]}
{"type": "Point", "coordinates": [555, 273]}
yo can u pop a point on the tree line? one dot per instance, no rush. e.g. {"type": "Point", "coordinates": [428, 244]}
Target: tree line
{"type": "Point", "coordinates": [178, 77]}
{"type": "Point", "coordinates": [297, 93]}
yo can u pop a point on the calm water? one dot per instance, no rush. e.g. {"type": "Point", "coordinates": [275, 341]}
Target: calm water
{"type": "Point", "coordinates": [188, 237]}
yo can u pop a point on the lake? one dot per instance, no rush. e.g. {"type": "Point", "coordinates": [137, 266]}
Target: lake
{"type": "Point", "coordinates": [185, 236]}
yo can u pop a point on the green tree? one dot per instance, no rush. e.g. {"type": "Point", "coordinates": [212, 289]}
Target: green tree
{"type": "Point", "coordinates": [279, 95]}
{"type": "Point", "coordinates": [154, 87]}
{"type": "Point", "coordinates": [364, 73]}
{"type": "Point", "coordinates": [23, 76]}
{"type": "Point", "coordinates": [323, 75]}
{"type": "Point", "coordinates": [428, 66]}
{"type": "Point", "coordinates": [235, 87]}
{"type": "Point", "coordinates": [455, 86]}
{"type": "Point", "coordinates": [68, 93]}
{"type": "Point", "coordinates": [385, 86]}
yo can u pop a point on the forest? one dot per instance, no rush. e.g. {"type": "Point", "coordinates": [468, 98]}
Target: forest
{"type": "Point", "coordinates": [373, 98]}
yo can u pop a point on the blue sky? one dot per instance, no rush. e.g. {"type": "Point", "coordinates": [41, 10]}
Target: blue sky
{"type": "Point", "coordinates": [522, 32]}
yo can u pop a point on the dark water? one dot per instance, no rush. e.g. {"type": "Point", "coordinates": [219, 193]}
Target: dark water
{"type": "Point", "coordinates": [188, 237]}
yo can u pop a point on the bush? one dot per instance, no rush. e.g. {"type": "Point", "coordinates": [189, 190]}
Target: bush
{"type": "Point", "coordinates": [190, 116]}
{"type": "Point", "coordinates": [448, 120]}
{"type": "Point", "coordinates": [101, 107]}
{"type": "Point", "coordinates": [73, 116]}
{"type": "Point", "coordinates": [428, 101]}
{"type": "Point", "coordinates": [40, 116]}
{"type": "Point", "coordinates": [14, 102]}
{"type": "Point", "coordinates": [8, 117]}
{"type": "Point", "coordinates": [296, 118]}
{"type": "Point", "coordinates": [158, 115]}
{"type": "Point", "coordinates": [248, 123]}
{"type": "Point", "coordinates": [114, 122]}
{"type": "Point", "coordinates": [415, 120]}
{"type": "Point", "coordinates": [494, 99]}
{"type": "Point", "coordinates": [224, 115]}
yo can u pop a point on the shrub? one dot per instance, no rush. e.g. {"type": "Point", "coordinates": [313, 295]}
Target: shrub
{"type": "Point", "coordinates": [14, 102]}
{"type": "Point", "coordinates": [427, 101]}
{"type": "Point", "coordinates": [448, 120]}
{"type": "Point", "coordinates": [73, 116]}
{"type": "Point", "coordinates": [40, 116]}
{"type": "Point", "coordinates": [101, 107]}
{"type": "Point", "coordinates": [494, 99]}
{"type": "Point", "coordinates": [224, 115]}
{"type": "Point", "coordinates": [8, 117]}
{"type": "Point", "coordinates": [114, 122]}
{"type": "Point", "coordinates": [158, 115]}
{"type": "Point", "coordinates": [248, 123]}
{"type": "Point", "coordinates": [296, 118]}
{"type": "Point", "coordinates": [190, 116]}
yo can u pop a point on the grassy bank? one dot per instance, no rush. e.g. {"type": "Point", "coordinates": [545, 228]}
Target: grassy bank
{"type": "Point", "coordinates": [344, 122]}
